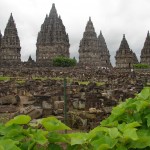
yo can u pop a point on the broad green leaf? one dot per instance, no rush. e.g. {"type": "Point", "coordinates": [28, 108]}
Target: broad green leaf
{"type": "Point", "coordinates": [141, 104]}
{"type": "Point", "coordinates": [141, 143]}
{"type": "Point", "coordinates": [56, 137]}
{"type": "Point", "coordinates": [100, 129]}
{"type": "Point", "coordinates": [53, 124]}
{"type": "Point", "coordinates": [39, 136]}
{"type": "Point", "coordinates": [78, 138]}
{"type": "Point", "coordinates": [114, 133]}
{"type": "Point", "coordinates": [148, 120]}
{"type": "Point", "coordinates": [21, 119]}
{"type": "Point", "coordinates": [5, 130]}
{"type": "Point", "coordinates": [121, 147]}
{"type": "Point", "coordinates": [145, 93]}
{"type": "Point", "coordinates": [119, 110]}
{"type": "Point", "coordinates": [104, 143]}
{"type": "Point", "coordinates": [52, 146]}
{"type": "Point", "coordinates": [8, 144]}
{"type": "Point", "coordinates": [132, 125]}
{"type": "Point", "coordinates": [130, 133]}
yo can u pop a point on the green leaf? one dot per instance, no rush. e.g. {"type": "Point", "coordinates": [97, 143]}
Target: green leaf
{"type": "Point", "coordinates": [145, 93]}
{"type": "Point", "coordinates": [78, 138]}
{"type": "Point", "coordinates": [56, 137]}
{"type": "Point", "coordinates": [39, 136]}
{"type": "Point", "coordinates": [104, 143]}
{"type": "Point", "coordinates": [141, 104]}
{"type": "Point", "coordinates": [130, 133]}
{"type": "Point", "coordinates": [52, 146]}
{"type": "Point", "coordinates": [114, 133]}
{"type": "Point", "coordinates": [8, 144]}
{"type": "Point", "coordinates": [148, 120]}
{"type": "Point", "coordinates": [143, 141]}
{"type": "Point", "coordinates": [21, 119]}
{"type": "Point", "coordinates": [53, 124]}
{"type": "Point", "coordinates": [121, 147]}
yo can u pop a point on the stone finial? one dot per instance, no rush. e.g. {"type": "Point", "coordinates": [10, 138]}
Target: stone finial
{"type": "Point", "coordinates": [53, 12]}
{"type": "Point", "coordinates": [148, 34]}
{"type": "Point", "coordinates": [89, 18]}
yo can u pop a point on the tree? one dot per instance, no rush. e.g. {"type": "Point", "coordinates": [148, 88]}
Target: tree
{"type": "Point", "coordinates": [62, 61]}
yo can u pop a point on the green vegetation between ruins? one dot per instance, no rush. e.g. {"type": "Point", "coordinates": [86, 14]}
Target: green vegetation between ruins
{"type": "Point", "coordinates": [141, 66]}
{"type": "Point", "coordinates": [127, 128]}
{"type": "Point", "coordinates": [4, 78]}
{"type": "Point", "coordinates": [69, 80]}
{"type": "Point", "coordinates": [64, 62]}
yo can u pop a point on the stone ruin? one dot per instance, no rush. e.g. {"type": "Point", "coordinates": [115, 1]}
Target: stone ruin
{"type": "Point", "coordinates": [87, 103]}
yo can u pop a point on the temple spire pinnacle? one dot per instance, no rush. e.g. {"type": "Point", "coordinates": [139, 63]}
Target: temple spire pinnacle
{"type": "Point", "coordinates": [145, 52]}
{"type": "Point", "coordinates": [53, 12]}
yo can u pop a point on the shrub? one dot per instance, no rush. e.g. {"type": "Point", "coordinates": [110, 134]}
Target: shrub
{"type": "Point", "coordinates": [141, 66]}
{"type": "Point", "coordinates": [61, 61]}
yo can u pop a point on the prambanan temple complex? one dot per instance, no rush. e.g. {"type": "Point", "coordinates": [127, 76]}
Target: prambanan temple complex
{"type": "Point", "coordinates": [52, 41]}
{"type": "Point", "coordinates": [93, 86]}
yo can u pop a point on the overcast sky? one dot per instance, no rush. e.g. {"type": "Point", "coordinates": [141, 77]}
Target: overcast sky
{"type": "Point", "coordinates": [113, 17]}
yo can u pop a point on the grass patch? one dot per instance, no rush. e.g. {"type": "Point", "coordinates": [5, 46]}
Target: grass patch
{"type": "Point", "coordinates": [83, 82]}
{"type": "Point", "coordinates": [57, 78]}
{"type": "Point", "coordinates": [100, 83]}
{"type": "Point", "coordinates": [20, 81]}
{"type": "Point", "coordinates": [4, 78]}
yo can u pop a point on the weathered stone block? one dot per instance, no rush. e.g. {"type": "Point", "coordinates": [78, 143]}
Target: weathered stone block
{"type": "Point", "coordinates": [81, 104]}
{"type": "Point", "coordinates": [46, 105]}
{"type": "Point", "coordinates": [58, 105]}
{"type": "Point", "coordinates": [10, 99]}
{"type": "Point", "coordinates": [75, 104]}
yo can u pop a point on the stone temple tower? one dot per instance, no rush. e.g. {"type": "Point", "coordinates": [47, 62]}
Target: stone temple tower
{"type": "Point", "coordinates": [0, 39]}
{"type": "Point", "coordinates": [125, 58]}
{"type": "Point", "coordinates": [10, 44]}
{"type": "Point", "coordinates": [52, 40]}
{"type": "Point", "coordinates": [145, 52]}
{"type": "Point", "coordinates": [104, 52]}
{"type": "Point", "coordinates": [89, 54]}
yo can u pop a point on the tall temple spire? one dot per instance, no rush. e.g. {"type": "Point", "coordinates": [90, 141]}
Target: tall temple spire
{"type": "Point", "coordinates": [104, 52]}
{"type": "Point", "coordinates": [145, 52]}
{"type": "Point", "coordinates": [89, 26]}
{"type": "Point", "coordinates": [53, 12]}
{"type": "Point", "coordinates": [124, 43]}
{"type": "Point", "coordinates": [52, 40]}
{"type": "Point", "coordinates": [11, 43]}
{"type": "Point", "coordinates": [125, 57]}
{"type": "Point", "coordinates": [88, 48]}
{"type": "Point", "coordinates": [0, 39]}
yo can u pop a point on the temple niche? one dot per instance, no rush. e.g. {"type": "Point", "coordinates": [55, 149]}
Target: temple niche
{"type": "Point", "coordinates": [52, 40]}
{"type": "Point", "coordinates": [145, 52]}
{"type": "Point", "coordinates": [104, 52]}
{"type": "Point", "coordinates": [10, 44]}
{"type": "Point", "coordinates": [125, 57]}
{"type": "Point", "coordinates": [89, 54]}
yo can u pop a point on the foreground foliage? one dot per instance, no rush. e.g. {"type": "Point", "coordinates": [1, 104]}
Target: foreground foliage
{"type": "Point", "coordinates": [127, 128]}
